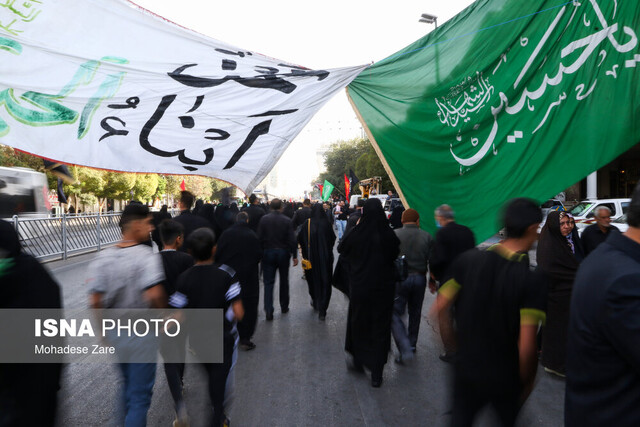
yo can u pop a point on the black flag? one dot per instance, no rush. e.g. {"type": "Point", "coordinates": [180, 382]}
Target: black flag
{"type": "Point", "coordinates": [353, 178]}
{"type": "Point", "coordinates": [60, 170]}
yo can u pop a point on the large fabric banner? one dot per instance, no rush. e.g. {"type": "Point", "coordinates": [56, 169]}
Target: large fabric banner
{"type": "Point", "coordinates": [509, 98]}
{"type": "Point", "coordinates": [104, 83]}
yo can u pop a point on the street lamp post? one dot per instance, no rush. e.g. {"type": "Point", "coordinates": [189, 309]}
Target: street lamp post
{"type": "Point", "coordinates": [432, 19]}
{"type": "Point", "coordinates": [429, 19]}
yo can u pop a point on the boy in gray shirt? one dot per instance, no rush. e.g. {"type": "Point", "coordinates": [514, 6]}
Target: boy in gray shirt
{"type": "Point", "coordinates": [129, 275]}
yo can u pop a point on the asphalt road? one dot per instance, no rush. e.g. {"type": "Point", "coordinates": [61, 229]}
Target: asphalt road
{"type": "Point", "coordinates": [295, 377]}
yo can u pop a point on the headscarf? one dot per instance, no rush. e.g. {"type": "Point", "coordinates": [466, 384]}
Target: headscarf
{"type": "Point", "coordinates": [554, 254]}
{"type": "Point", "coordinates": [396, 217]}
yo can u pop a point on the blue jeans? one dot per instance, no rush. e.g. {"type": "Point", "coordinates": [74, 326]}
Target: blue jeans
{"type": "Point", "coordinates": [341, 224]}
{"type": "Point", "coordinates": [272, 261]}
{"type": "Point", "coordinates": [138, 389]}
{"type": "Point", "coordinates": [408, 293]}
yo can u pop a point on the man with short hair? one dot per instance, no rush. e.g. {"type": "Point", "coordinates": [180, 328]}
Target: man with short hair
{"type": "Point", "coordinates": [175, 263]}
{"type": "Point", "coordinates": [209, 285]}
{"type": "Point", "coordinates": [255, 212]}
{"type": "Point", "coordinates": [279, 244]}
{"type": "Point", "coordinates": [415, 245]}
{"type": "Point", "coordinates": [500, 304]}
{"type": "Point", "coordinates": [302, 215]}
{"type": "Point", "coordinates": [452, 239]}
{"type": "Point", "coordinates": [130, 275]}
{"type": "Point", "coordinates": [603, 354]}
{"type": "Point", "coordinates": [597, 233]}
{"type": "Point", "coordinates": [239, 248]}
{"type": "Point", "coordinates": [189, 221]}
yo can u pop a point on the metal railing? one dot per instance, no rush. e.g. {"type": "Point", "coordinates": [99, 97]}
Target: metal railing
{"type": "Point", "coordinates": [59, 237]}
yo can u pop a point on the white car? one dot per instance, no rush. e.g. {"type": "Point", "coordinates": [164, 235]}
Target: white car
{"type": "Point", "coordinates": [584, 212]}
{"type": "Point", "coordinates": [621, 223]}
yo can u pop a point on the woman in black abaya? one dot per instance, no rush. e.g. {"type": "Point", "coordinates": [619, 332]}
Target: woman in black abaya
{"type": "Point", "coordinates": [316, 239]}
{"type": "Point", "coordinates": [370, 249]}
{"type": "Point", "coordinates": [558, 257]}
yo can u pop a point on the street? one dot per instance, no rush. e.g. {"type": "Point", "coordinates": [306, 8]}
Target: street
{"type": "Point", "coordinates": [296, 376]}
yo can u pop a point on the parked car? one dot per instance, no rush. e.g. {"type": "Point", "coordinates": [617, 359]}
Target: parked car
{"type": "Point", "coordinates": [584, 211]}
{"type": "Point", "coordinates": [621, 223]}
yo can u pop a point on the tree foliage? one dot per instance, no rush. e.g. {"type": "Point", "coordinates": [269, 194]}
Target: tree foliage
{"type": "Point", "coordinates": [357, 155]}
{"type": "Point", "coordinates": [96, 186]}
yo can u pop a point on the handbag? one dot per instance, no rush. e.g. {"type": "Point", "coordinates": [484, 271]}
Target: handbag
{"type": "Point", "coordinates": [401, 268]}
{"type": "Point", "coordinates": [306, 264]}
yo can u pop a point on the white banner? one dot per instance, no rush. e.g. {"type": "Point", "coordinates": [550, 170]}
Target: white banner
{"type": "Point", "coordinates": [106, 84]}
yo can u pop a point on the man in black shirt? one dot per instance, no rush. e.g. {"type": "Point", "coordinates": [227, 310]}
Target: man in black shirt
{"type": "Point", "coordinates": [255, 212]}
{"type": "Point", "coordinates": [279, 243]}
{"type": "Point", "coordinates": [597, 233]}
{"type": "Point", "coordinates": [175, 263]}
{"type": "Point", "coordinates": [240, 249]}
{"type": "Point", "coordinates": [499, 305]}
{"type": "Point", "coordinates": [209, 285]}
{"type": "Point", "coordinates": [302, 215]}
{"type": "Point", "coordinates": [603, 350]}
{"type": "Point", "coordinates": [452, 239]}
{"type": "Point", "coordinates": [189, 221]}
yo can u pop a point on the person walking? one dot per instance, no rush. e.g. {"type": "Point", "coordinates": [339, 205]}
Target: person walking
{"type": "Point", "coordinates": [130, 275]}
{"type": "Point", "coordinates": [209, 285]}
{"type": "Point", "coordinates": [278, 242]}
{"type": "Point", "coordinates": [239, 248]}
{"type": "Point", "coordinates": [370, 250]}
{"type": "Point", "coordinates": [452, 239]}
{"type": "Point", "coordinates": [174, 263]}
{"type": "Point", "coordinates": [302, 215]}
{"type": "Point", "coordinates": [342, 214]}
{"type": "Point", "coordinates": [603, 355]}
{"type": "Point", "coordinates": [556, 257]}
{"type": "Point", "coordinates": [499, 305]}
{"type": "Point", "coordinates": [255, 212]}
{"type": "Point", "coordinates": [187, 219]}
{"type": "Point", "coordinates": [316, 239]}
{"type": "Point", "coordinates": [415, 245]}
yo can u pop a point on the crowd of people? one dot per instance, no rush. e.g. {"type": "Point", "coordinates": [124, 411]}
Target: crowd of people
{"type": "Point", "coordinates": [498, 317]}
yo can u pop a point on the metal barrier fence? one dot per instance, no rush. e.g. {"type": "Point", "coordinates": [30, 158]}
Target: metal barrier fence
{"type": "Point", "coordinates": [50, 238]}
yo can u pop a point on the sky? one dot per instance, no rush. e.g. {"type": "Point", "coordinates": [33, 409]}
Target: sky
{"type": "Point", "coordinates": [327, 34]}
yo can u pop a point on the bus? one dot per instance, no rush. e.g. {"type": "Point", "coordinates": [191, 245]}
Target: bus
{"type": "Point", "coordinates": [23, 191]}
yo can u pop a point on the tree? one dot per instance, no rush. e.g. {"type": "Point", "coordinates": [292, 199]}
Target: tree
{"type": "Point", "coordinates": [357, 155]}
{"type": "Point", "coordinates": [145, 187]}
{"type": "Point", "coordinates": [161, 190]}
{"type": "Point", "coordinates": [199, 186]}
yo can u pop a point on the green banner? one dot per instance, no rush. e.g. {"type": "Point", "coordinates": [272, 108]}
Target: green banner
{"type": "Point", "coordinates": [327, 188]}
{"type": "Point", "coordinates": [507, 99]}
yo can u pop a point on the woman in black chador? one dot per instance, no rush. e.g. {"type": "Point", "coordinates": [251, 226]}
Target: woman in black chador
{"type": "Point", "coordinates": [316, 238]}
{"type": "Point", "coordinates": [370, 249]}
{"type": "Point", "coordinates": [558, 255]}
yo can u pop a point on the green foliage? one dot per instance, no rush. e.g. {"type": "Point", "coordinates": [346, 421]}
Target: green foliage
{"type": "Point", "coordinates": [118, 185]}
{"type": "Point", "coordinates": [358, 155]}
{"type": "Point", "coordinates": [199, 186]}
{"type": "Point", "coordinates": [145, 187]}
{"type": "Point", "coordinates": [161, 190]}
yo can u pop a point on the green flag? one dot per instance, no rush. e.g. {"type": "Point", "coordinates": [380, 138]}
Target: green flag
{"type": "Point", "coordinates": [507, 99]}
{"type": "Point", "coordinates": [327, 188]}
